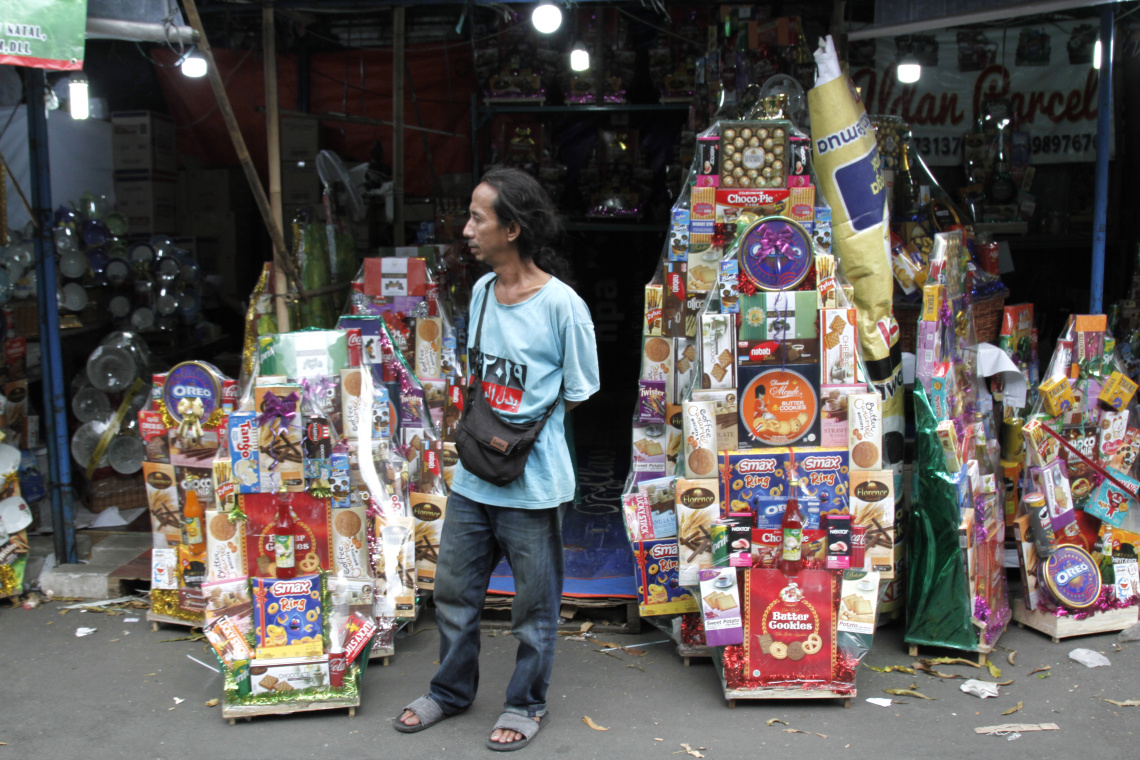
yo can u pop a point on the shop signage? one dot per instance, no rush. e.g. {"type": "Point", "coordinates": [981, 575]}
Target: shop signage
{"type": "Point", "coordinates": [1044, 70]}
{"type": "Point", "coordinates": [43, 34]}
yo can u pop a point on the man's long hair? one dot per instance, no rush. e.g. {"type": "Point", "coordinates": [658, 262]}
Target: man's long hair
{"type": "Point", "coordinates": [522, 200]}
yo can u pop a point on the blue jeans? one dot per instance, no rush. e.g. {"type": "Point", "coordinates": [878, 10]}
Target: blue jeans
{"type": "Point", "coordinates": [475, 537]}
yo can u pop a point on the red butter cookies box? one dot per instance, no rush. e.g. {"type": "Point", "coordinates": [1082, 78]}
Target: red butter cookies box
{"type": "Point", "coordinates": [312, 543]}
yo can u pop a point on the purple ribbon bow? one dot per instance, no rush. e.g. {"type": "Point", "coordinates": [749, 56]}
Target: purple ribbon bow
{"type": "Point", "coordinates": [315, 393]}
{"type": "Point", "coordinates": [278, 411]}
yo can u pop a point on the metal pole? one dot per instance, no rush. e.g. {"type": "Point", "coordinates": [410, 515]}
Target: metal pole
{"type": "Point", "coordinates": [398, 64]}
{"type": "Point", "coordinates": [1103, 130]}
{"type": "Point", "coordinates": [55, 402]}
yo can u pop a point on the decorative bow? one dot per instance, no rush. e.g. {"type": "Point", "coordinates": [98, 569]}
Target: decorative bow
{"type": "Point", "coordinates": [315, 393]}
{"type": "Point", "coordinates": [776, 243]}
{"type": "Point", "coordinates": [276, 412]}
{"type": "Point", "coordinates": [8, 483]}
{"type": "Point", "coordinates": [191, 411]}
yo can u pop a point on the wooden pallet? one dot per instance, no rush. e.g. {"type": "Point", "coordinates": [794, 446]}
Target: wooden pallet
{"type": "Point", "coordinates": [156, 619]}
{"type": "Point", "coordinates": [232, 711]}
{"type": "Point", "coordinates": [1066, 627]}
{"type": "Point", "coordinates": [731, 695]}
{"type": "Point", "coordinates": [689, 653]}
{"type": "Point", "coordinates": [978, 655]}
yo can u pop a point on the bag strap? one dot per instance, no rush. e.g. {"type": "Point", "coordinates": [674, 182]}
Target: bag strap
{"type": "Point", "coordinates": [477, 350]}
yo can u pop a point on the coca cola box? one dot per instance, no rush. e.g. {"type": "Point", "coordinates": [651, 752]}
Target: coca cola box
{"type": "Point", "coordinates": [370, 328]}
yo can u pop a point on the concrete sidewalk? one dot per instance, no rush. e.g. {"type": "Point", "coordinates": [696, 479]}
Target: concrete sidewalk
{"type": "Point", "coordinates": [112, 695]}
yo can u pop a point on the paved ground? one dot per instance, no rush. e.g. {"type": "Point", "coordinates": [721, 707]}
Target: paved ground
{"type": "Point", "coordinates": [112, 695]}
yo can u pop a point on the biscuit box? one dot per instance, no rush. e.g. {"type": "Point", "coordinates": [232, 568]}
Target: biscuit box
{"type": "Point", "coordinates": [823, 474]}
{"type": "Point", "coordinates": [778, 404]}
{"type": "Point", "coordinates": [312, 545]}
{"type": "Point", "coordinates": [277, 675]}
{"type": "Point", "coordinates": [747, 477]}
{"type": "Point", "coordinates": [659, 588]}
{"type": "Point", "coordinates": [287, 616]}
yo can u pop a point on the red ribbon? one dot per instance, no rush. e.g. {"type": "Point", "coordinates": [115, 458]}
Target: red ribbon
{"type": "Point", "coordinates": [1096, 467]}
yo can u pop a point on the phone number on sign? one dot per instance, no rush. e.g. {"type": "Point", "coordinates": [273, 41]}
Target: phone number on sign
{"type": "Point", "coordinates": [939, 146]}
{"type": "Point", "coordinates": [1078, 143]}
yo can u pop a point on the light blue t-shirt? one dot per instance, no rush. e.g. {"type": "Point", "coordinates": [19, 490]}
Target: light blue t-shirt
{"type": "Point", "coordinates": [529, 350]}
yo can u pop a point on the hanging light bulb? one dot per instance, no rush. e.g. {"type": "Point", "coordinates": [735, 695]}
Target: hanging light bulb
{"type": "Point", "coordinates": [194, 65]}
{"type": "Point", "coordinates": [1097, 51]}
{"type": "Point", "coordinates": [77, 89]}
{"type": "Point", "coordinates": [579, 57]}
{"type": "Point", "coordinates": [546, 18]}
{"type": "Point", "coordinates": [909, 69]}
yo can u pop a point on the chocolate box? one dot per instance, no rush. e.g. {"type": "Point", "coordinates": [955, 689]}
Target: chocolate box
{"type": "Point", "coordinates": [283, 675]}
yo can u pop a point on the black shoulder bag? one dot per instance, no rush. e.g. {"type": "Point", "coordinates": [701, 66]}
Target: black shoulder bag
{"type": "Point", "coordinates": [489, 447]}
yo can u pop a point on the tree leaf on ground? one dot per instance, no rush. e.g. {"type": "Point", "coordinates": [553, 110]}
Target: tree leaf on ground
{"type": "Point", "coordinates": [212, 702]}
{"type": "Point", "coordinates": [1044, 675]}
{"type": "Point", "coordinates": [1040, 669]}
{"type": "Point", "coordinates": [892, 668]}
{"type": "Point", "coordinates": [797, 731]}
{"type": "Point", "coordinates": [1125, 703]}
{"type": "Point", "coordinates": [773, 721]}
{"type": "Point", "coordinates": [689, 751]}
{"type": "Point", "coordinates": [635, 665]}
{"type": "Point", "coordinates": [995, 671]}
{"type": "Point", "coordinates": [586, 626]}
{"type": "Point", "coordinates": [951, 661]}
{"type": "Point", "coordinates": [590, 722]}
{"type": "Point", "coordinates": [1009, 657]}
{"type": "Point", "coordinates": [906, 693]}
{"type": "Point", "coordinates": [1005, 683]}
{"type": "Point", "coordinates": [1013, 709]}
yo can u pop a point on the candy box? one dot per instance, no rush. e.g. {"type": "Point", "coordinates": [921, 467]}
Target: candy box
{"type": "Point", "coordinates": [1110, 502]}
{"type": "Point", "coordinates": [1117, 392]}
{"type": "Point", "coordinates": [350, 543]}
{"type": "Point", "coordinates": [865, 430]}
{"type": "Point", "coordinates": [724, 405]}
{"type": "Point", "coordinates": [652, 316]}
{"type": "Point", "coordinates": [932, 297]}
{"type": "Point", "coordinates": [873, 507]}
{"type": "Point", "coordinates": [1125, 455]}
{"type": "Point", "coordinates": [230, 598]}
{"type": "Point", "coordinates": [778, 404]}
{"type": "Point", "coordinates": [778, 316]}
{"type": "Point", "coordinates": [684, 367]}
{"type": "Point", "coordinates": [649, 442]}
{"type": "Point", "coordinates": [659, 588]}
{"type": "Point", "coordinates": [659, 500]}
{"type": "Point", "coordinates": [429, 344]}
{"type": "Point", "coordinates": [720, 607]}
{"type": "Point", "coordinates": [280, 437]}
{"type": "Point", "coordinates": [838, 349]}
{"type": "Point", "coordinates": [225, 546]}
{"type": "Point", "coordinates": [428, 510]}
{"type": "Point", "coordinates": [228, 640]}
{"type": "Point", "coordinates": [823, 477]}
{"type": "Point", "coordinates": [833, 421]}
{"type": "Point", "coordinates": [749, 476]}
{"type": "Point", "coordinates": [287, 616]}
{"type": "Point", "coordinates": [1057, 395]}
{"type": "Point", "coordinates": [1052, 480]}
{"type": "Point", "coordinates": [288, 674]}
{"type": "Point", "coordinates": [718, 360]}
{"type": "Point", "coordinates": [312, 544]}
{"type": "Point", "coordinates": [390, 276]}
{"type": "Point", "coordinates": [697, 507]}
{"type": "Point", "coordinates": [370, 329]}
{"type": "Point", "coordinates": [675, 312]}
{"type": "Point", "coordinates": [163, 501]}
{"type": "Point", "coordinates": [699, 427]}
{"type": "Point", "coordinates": [1110, 434]}
{"type": "Point", "coordinates": [651, 402]}
{"type": "Point", "coordinates": [306, 353]}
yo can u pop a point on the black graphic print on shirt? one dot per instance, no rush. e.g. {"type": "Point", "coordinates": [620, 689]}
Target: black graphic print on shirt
{"type": "Point", "coordinates": [503, 383]}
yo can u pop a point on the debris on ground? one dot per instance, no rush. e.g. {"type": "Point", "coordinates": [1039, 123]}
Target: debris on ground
{"type": "Point", "coordinates": [1006, 729]}
{"type": "Point", "coordinates": [982, 689]}
{"type": "Point", "coordinates": [83, 631]}
{"type": "Point", "coordinates": [590, 722]}
{"type": "Point", "coordinates": [1089, 658]}
{"type": "Point", "coordinates": [1015, 708]}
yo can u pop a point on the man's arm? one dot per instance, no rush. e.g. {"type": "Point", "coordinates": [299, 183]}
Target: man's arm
{"type": "Point", "coordinates": [570, 405]}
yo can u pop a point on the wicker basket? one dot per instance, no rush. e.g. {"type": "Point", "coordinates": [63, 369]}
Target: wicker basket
{"type": "Point", "coordinates": [122, 491]}
{"type": "Point", "coordinates": [988, 313]}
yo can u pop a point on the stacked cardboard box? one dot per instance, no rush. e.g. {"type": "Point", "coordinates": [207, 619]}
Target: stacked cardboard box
{"type": "Point", "coordinates": [145, 163]}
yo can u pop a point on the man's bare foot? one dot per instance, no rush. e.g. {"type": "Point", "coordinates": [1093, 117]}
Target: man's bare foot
{"type": "Point", "coordinates": [501, 735]}
{"type": "Point", "coordinates": [409, 718]}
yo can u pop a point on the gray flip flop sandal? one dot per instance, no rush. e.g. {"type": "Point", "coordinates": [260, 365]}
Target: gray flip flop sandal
{"type": "Point", "coordinates": [426, 710]}
{"type": "Point", "coordinates": [528, 727]}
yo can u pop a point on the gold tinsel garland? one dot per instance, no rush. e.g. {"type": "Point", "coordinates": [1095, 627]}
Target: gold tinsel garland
{"type": "Point", "coordinates": [164, 601]}
{"type": "Point", "coordinates": [8, 585]}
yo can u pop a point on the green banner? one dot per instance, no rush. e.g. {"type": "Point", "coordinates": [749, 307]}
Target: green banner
{"type": "Point", "coordinates": [43, 34]}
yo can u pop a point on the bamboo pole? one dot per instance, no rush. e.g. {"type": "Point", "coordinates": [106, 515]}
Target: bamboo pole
{"type": "Point", "coordinates": [398, 64]}
{"type": "Point", "coordinates": [273, 140]}
{"type": "Point", "coordinates": [280, 254]}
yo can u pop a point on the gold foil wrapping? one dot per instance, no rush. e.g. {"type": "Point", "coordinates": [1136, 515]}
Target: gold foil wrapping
{"type": "Point", "coordinates": [165, 602]}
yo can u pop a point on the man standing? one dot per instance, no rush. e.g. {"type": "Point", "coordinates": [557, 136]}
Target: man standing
{"type": "Point", "coordinates": [538, 350]}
